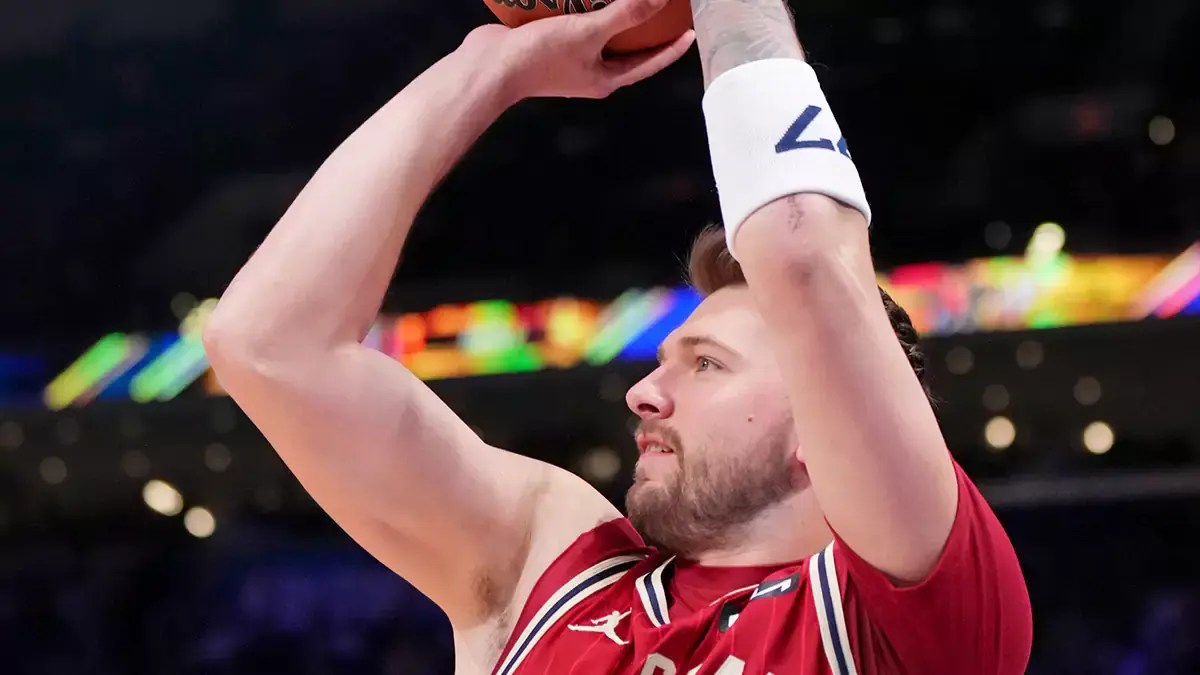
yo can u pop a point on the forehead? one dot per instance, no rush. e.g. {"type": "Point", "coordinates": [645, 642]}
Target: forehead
{"type": "Point", "coordinates": [729, 316]}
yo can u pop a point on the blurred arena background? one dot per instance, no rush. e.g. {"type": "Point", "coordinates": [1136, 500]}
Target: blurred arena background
{"type": "Point", "coordinates": [1035, 171]}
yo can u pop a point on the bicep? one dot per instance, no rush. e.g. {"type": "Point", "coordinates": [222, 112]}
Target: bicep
{"type": "Point", "coordinates": [873, 448]}
{"type": "Point", "coordinates": [409, 480]}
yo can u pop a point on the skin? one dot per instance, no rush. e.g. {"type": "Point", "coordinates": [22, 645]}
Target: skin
{"type": "Point", "coordinates": [381, 453]}
{"type": "Point", "coordinates": [718, 402]}
{"type": "Point", "coordinates": [733, 32]}
{"type": "Point", "coordinates": [884, 480]}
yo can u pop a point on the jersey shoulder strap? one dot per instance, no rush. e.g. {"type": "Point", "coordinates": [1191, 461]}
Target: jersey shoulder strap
{"type": "Point", "coordinates": [827, 597]}
{"type": "Point", "coordinates": [593, 562]}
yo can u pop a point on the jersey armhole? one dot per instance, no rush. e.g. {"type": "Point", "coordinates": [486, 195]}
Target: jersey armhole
{"type": "Point", "coordinates": [594, 561]}
{"type": "Point", "coordinates": [843, 582]}
{"type": "Point", "coordinates": [864, 576]}
{"type": "Point", "coordinates": [976, 570]}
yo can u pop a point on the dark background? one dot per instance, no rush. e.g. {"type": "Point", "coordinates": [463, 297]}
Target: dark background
{"type": "Point", "coordinates": [146, 148]}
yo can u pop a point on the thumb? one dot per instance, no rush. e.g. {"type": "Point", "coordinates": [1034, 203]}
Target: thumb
{"type": "Point", "coordinates": [621, 15]}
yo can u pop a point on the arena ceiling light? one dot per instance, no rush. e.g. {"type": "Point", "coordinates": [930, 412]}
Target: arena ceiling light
{"type": "Point", "coordinates": [200, 522]}
{"type": "Point", "coordinates": [1162, 130]}
{"type": "Point", "coordinates": [53, 470]}
{"type": "Point", "coordinates": [1046, 243]}
{"type": "Point", "coordinates": [1000, 433]}
{"type": "Point", "coordinates": [600, 465]}
{"type": "Point", "coordinates": [1088, 391]}
{"type": "Point", "coordinates": [163, 498]}
{"type": "Point", "coordinates": [1098, 438]}
{"type": "Point", "coordinates": [11, 435]}
{"type": "Point", "coordinates": [995, 397]}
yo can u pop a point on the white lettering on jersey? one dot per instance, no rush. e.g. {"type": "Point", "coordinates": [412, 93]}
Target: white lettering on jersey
{"type": "Point", "coordinates": [606, 625]}
{"type": "Point", "coordinates": [778, 588]}
{"type": "Point", "coordinates": [587, 583]}
{"type": "Point", "coordinates": [657, 663]}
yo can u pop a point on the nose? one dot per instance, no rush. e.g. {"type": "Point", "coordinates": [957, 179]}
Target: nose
{"type": "Point", "coordinates": [648, 400]}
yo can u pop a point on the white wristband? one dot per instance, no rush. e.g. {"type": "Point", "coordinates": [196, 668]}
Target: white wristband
{"type": "Point", "coordinates": [771, 134]}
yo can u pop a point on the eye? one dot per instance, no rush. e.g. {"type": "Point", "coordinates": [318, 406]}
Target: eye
{"type": "Point", "coordinates": [704, 363]}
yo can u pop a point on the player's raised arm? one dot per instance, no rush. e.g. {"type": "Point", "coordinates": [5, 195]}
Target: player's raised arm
{"type": "Point", "coordinates": [462, 521]}
{"type": "Point", "coordinates": [797, 218]}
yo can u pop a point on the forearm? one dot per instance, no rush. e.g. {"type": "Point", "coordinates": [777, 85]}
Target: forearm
{"type": "Point", "coordinates": [730, 33]}
{"type": "Point", "coordinates": [867, 435]}
{"type": "Point", "coordinates": [320, 276]}
{"type": "Point", "coordinates": [869, 438]}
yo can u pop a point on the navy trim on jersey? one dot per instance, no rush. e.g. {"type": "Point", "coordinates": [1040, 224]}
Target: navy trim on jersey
{"type": "Point", "coordinates": [653, 598]}
{"type": "Point", "coordinates": [827, 598]}
{"type": "Point", "coordinates": [653, 592]}
{"type": "Point", "coordinates": [728, 615]}
{"type": "Point", "coordinates": [608, 571]}
{"type": "Point", "coordinates": [830, 616]}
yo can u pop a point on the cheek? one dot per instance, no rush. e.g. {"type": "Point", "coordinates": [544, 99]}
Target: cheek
{"type": "Point", "coordinates": [755, 408]}
{"type": "Point", "coordinates": [725, 418]}
{"type": "Point", "coordinates": [763, 419]}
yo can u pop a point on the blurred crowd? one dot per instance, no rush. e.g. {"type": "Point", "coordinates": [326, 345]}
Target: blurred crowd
{"type": "Point", "coordinates": [1110, 590]}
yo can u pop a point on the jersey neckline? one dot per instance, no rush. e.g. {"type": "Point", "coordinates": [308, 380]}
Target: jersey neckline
{"type": "Point", "coordinates": [688, 586]}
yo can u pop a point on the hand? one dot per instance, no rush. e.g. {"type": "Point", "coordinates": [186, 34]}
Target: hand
{"type": "Point", "coordinates": [563, 56]}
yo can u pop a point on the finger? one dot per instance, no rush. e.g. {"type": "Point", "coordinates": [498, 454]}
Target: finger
{"type": "Point", "coordinates": [621, 15]}
{"type": "Point", "coordinates": [630, 69]}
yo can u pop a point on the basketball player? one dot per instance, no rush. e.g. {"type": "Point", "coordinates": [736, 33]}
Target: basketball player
{"type": "Point", "coordinates": [805, 514]}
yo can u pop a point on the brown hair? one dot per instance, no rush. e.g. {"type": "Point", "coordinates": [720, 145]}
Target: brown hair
{"type": "Point", "coordinates": [711, 268]}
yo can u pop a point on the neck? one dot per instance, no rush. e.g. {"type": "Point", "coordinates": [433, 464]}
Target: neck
{"type": "Point", "coordinates": [788, 531]}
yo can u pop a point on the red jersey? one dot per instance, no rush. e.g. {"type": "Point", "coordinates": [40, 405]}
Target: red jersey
{"type": "Point", "coordinates": [610, 605]}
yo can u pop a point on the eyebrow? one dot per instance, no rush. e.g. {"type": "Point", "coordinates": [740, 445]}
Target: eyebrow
{"type": "Point", "coordinates": [693, 341]}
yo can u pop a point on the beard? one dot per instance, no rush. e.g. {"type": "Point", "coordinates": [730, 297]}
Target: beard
{"type": "Point", "coordinates": [707, 500]}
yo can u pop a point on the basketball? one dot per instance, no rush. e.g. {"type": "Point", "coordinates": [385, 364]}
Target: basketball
{"type": "Point", "coordinates": [670, 23]}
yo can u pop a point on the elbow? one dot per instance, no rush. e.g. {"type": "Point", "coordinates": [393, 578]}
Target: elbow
{"type": "Point", "coordinates": [243, 328]}
{"type": "Point", "coordinates": [227, 346]}
{"type": "Point", "coordinates": [243, 361]}
{"type": "Point", "coordinates": [217, 339]}
{"type": "Point", "coordinates": [228, 355]}
{"type": "Point", "coordinates": [806, 241]}
{"type": "Point", "coordinates": [243, 347]}
{"type": "Point", "coordinates": [234, 343]}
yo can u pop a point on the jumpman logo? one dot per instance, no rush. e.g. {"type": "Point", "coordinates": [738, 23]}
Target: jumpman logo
{"type": "Point", "coordinates": [606, 625]}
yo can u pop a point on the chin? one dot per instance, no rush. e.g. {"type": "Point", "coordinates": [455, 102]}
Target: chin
{"type": "Point", "coordinates": [646, 497]}
{"type": "Point", "coordinates": [644, 486]}
{"type": "Point", "coordinates": [632, 496]}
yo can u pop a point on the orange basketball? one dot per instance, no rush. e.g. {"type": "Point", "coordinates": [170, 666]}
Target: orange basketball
{"type": "Point", "coordinates": [667, 25]}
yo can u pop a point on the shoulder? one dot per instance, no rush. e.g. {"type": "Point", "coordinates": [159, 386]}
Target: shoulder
{"type": "Point", "coordinates": [976, 589]}
{"type": "Point", "coordinates": [589, 567]}
{"type": "Point", "coordinates": [576, 529]}
{"type": "Point", "coordinates": [563, 526]}
{"type": "Point", "coordinates": [592, 561]}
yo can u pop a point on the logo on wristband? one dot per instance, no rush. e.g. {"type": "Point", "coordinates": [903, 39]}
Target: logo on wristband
{"type": "Point", "coordinates": [791, 138]}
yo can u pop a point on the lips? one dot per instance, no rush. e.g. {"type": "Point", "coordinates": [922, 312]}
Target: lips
{"type": "Point", "coordinates": [653, 445]}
